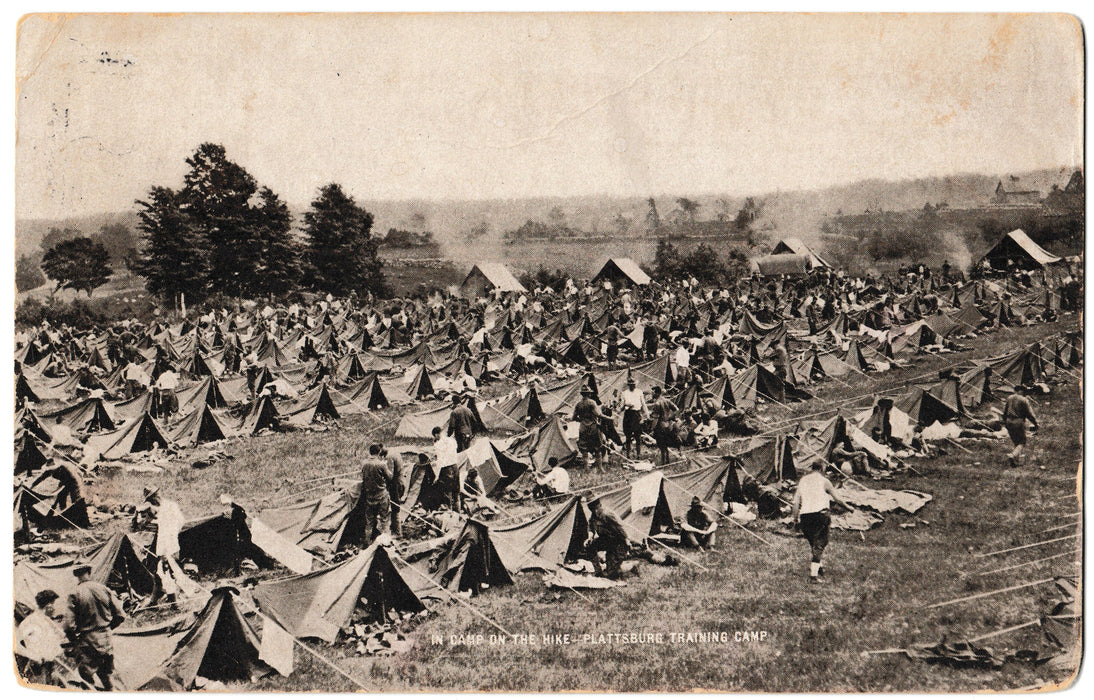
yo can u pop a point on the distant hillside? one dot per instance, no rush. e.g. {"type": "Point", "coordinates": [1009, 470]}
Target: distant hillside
{"type": "Point", "coordinates": [467, 231]}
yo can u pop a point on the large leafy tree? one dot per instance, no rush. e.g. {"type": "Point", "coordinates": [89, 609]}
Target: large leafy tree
{"type": "Point", "coordinates": [77, 263]}
{"type": "Point", "coordinates": [221, 232]}
{"type": "Point", "coordinates": [216, 199]}
{"type": "Point", "coordinates": [689, 206]}
{"type": "Point", "coordinates": [280, 254]}
{"type": "Point", "coordinates": [56, 235]}
{"type": "Point", "coordinates": [341, 252]}
{"type": "Point", "coordinates": [174, 257]}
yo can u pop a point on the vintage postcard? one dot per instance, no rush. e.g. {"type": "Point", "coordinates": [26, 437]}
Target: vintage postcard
{"type": "Point", "coordinates": [548, 352]}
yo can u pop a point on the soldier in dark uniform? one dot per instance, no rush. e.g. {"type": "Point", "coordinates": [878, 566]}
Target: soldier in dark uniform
{"type": "Point", "coordinates": [461, 424]}
{"type": "Point", "coordinates": [92, 612]}
{"type": "Point", "coordinates": [588, 414]}
{"type": "Point", "coordinates": [612, 334]}
{"type": "Point", "coordinates": [662, 411]}
{"type": "Point", "coordinates": [697, 527]}
{"type": "Point", "coordinates": [1016, 412]}
{"type": "Point", "coordinates": [375, 477]}
{"type": "Point", "coordinates": [610, 537]}
{"type": "Point", "coordinates": [394, 488]}
{"type": "Point", "coordinates": [650, 339]}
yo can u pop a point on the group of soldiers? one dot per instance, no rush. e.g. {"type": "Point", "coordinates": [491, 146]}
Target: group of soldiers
{"type": "Point", "coordinates": [85, 625]}
{"type": "Point", "coordinates": [383, 476]}
{"type": "Point", "coordinates": [657, 416]}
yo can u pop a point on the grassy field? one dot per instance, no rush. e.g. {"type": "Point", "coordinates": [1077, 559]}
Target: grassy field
{"type": "Point", "coordinates": [807, 638]}
{"type": "Point", "coordinates": [408, 275]}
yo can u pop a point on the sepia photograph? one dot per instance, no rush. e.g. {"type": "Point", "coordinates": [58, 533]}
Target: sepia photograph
{"type": "Point", "coordinates": [548, 352]}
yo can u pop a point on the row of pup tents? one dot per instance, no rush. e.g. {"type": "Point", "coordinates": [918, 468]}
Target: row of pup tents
{"type": "Point", "coordinates": [215, 542]}
{"type": "Point", "coordinates": [353, 363]}
{"type": "Point", "coordinates": [353, 366]}
{"type": "Point", "coordinates": [773, 459]}
{"type": "Point", "coordinates": [369, 393]}
{"type": "Point", "coordinates": [114, 430]}
{"type": "Point", "coordinates": [220, 642]}
{"type": "Point", "coordinates": [943, 401]}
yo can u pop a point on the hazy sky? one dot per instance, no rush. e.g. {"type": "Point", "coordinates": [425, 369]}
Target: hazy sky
{"type": "Point", "coordinates": [487, 106]}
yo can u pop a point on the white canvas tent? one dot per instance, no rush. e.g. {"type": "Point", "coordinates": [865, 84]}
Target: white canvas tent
{"type": "Point", "coordinates": [623, 271]}
{"type": "Point", "coordinates": [485, 278]}
{"type": "Point", "coordinates": [795, 246]}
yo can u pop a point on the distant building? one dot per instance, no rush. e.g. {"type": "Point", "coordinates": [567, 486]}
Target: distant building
{"type": "Point", "coordinates": [1070, 201]}
{"type": "Point", "coordinates": [1012, 198]}
{"type": "Point", "coordinates": [486, 278]}
{"type": "Point", "coordinates": [622, 272]}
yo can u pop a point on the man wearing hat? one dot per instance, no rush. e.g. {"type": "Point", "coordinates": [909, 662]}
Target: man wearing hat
{"type": "Point", "coordinates": [92, 612]}
{"type": "Point", "coordinates": [663, 412]}
{"type": "Point", "coordinates": [588, 414]}
{"type": "Point", "coordinates": [698, 529]}
{"type": "Point", "coordinates": [145, 516]}
{"type": "Point", "coordinates": [610, 537]}
{"type": "Point", "coordinates": [634, 412]}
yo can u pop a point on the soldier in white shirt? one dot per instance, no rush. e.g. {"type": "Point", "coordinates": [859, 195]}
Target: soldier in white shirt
{"type": "Point", "coordinates": [810, 509]}
{"type": "Point", "coordinates": [38, 639]}
{"type": "Point", "coordinates": [634, 412]}
{"type": "Point", "coordinates": [445, 448]}
{"type": "Point", "coordinates": [683, 363]}
{"type": "Point", "coordinates": [165, 387]}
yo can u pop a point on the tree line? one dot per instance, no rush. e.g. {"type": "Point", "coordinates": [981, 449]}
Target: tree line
{"type": "Point", "coordinates": [222, 233]}
{"type": "Point", "coordinates": [681, 222]}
